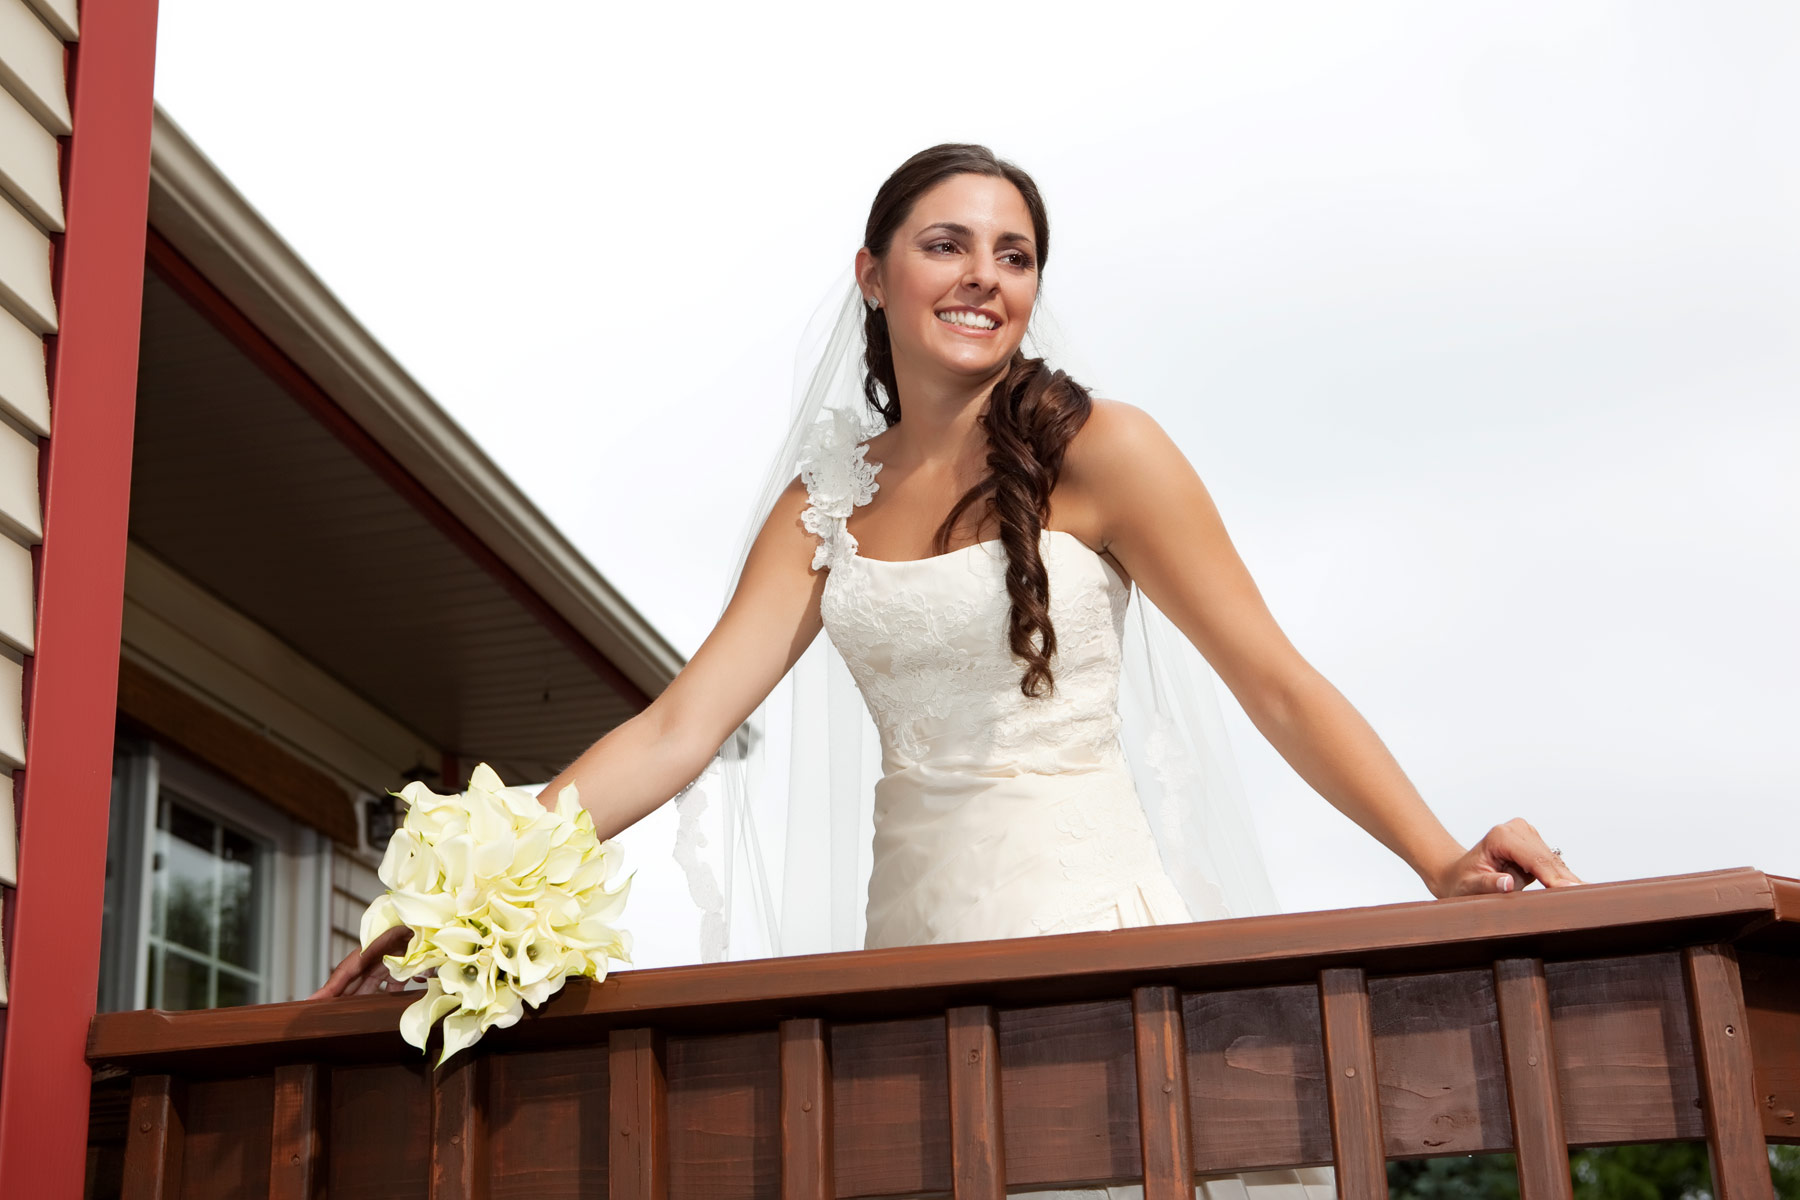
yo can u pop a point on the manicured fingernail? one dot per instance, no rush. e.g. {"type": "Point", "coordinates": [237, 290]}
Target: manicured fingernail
{"type": "Point", "coordinates": [1506, 883]}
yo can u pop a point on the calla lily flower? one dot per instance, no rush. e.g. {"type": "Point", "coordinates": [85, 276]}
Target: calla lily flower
{"type": "Point", "coordinates": [506, 899]}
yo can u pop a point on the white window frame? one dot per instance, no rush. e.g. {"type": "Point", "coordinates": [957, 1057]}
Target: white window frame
{"type": "Point", "coordinates": [296, 916]}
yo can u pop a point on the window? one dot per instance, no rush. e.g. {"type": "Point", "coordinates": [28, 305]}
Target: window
{"type": "Point", "coordinates": [213, 897]}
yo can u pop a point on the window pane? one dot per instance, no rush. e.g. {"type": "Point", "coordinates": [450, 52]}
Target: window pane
{"type": "Point", "coordinates": [238, 907]}
{"type": "Point", "coordinates": [184, 981]}
{"type": "Point", "coordinates": [235, 989]}
{"type": "Point", "coordinates": [184, 871]}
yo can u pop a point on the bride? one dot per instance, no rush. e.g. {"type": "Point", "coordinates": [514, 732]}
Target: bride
{"type": "Point", "coordinates": [978, 591]}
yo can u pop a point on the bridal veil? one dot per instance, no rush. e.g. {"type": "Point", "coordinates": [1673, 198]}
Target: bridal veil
{"type": "Point", "coordinates": [804, 765]}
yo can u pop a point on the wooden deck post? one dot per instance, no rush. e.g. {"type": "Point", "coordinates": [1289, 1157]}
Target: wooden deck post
{"type": "Point", "coordinates": [460, 1165]}
{"type": "Point", "coordinates": [154, 1143]}
{"type": "Point", "coordinates": [1357, 1146]}
{"type": "Point", "coordinates": [1166, 1137]}
{"type": "Point", "coordinates": [298, 1168]}
{"type": "Point", "coordinates": [1734, 1135]}
{"type": "Point", "coordinates": [1540, 1144]}
{"type": "Point", "coordinates": [638, 1125]}
{"type": "Point", "coordinates": [807, 1166]}
{"type": "Point", "coordinates": [977, 1146]}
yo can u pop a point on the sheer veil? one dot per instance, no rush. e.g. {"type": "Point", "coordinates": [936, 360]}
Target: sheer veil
{"type": "Point", "coordinates": [807, 760]}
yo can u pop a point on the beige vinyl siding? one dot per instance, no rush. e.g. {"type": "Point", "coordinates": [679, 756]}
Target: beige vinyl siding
{"type": "Point", "coordinates": [34, 114]}
{"type": "Point", "coordinates": [60, 16]}
{"type": "Point", "coordinates": [31, 65]}
{"type": "Point", "coordinates": [24, 376]}
{"type": "Point", "coordinates": [354, 885]}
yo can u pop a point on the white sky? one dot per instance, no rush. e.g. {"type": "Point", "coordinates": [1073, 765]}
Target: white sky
{"type": "Point", "coordinates": [1480, 323]}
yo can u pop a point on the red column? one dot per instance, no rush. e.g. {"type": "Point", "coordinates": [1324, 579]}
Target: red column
{"type": "Point", "coordinates": [72, 683]}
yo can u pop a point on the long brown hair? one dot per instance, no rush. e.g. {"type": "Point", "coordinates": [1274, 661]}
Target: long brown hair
{"type": "Point", "coordinates": [1030, 417]}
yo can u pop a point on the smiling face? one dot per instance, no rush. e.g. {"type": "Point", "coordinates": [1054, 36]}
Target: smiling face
{"type": "Point", "coordinates": [958, 279]}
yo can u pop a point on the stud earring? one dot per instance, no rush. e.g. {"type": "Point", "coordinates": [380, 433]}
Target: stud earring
{"type": "Point", "coordinates": [872, 302]}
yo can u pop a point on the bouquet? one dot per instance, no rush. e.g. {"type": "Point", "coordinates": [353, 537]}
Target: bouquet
{"type": "Point", "coordinates": [506, 899]}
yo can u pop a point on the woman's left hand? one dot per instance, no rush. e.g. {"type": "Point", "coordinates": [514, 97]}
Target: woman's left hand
{"type": "Point", "coordinates": [1507, 859]}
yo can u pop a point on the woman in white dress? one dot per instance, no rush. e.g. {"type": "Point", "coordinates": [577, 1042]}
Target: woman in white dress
{"type": "Point", "coordinates": [978, 596]}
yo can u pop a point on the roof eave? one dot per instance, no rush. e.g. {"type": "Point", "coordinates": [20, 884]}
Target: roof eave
{"type": "Point", "coordinates": [197, 210]}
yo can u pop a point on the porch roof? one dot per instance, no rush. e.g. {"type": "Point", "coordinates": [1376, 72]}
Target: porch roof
{"type": "Point", "coordinates": [285, 462]}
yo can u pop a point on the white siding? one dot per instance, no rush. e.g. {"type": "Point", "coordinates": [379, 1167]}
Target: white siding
{"type": "Point", "coordinates": [34, 114]}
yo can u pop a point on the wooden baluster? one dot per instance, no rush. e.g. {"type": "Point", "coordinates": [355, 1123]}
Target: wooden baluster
{"type": "Point", "coordinates": [1167, 1138]}
{"type": "Point", "coordinates": [1540, 1143]}
{"type": "Point", "coordinates": [1357, 1146]}
{"type": "Point", "coordinates": [977, 1149]}
{"type": "Point", "coordinates": [153, 1144]}
{"type": "Point", "coordinates": [807, 1169]}
{"type": "Point", "coordinates": [460, 1165]}
{"type": "Point", "coordinates": [1734, 1134]}
{"type": "Point", "coordinates": [638, 1121]}
{"type": "Point", "coordinates": [298, 1168]}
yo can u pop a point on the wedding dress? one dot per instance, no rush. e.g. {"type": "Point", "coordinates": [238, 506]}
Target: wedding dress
{"type": "Point", "coordinates": [997, 815]}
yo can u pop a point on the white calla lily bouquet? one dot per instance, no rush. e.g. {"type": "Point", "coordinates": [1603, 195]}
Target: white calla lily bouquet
{"type": "Point", "coordinates": [506, 900]}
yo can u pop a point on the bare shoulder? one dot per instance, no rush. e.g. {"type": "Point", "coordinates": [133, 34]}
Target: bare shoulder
{"type": "Point", "coordinates": [1116, 440]}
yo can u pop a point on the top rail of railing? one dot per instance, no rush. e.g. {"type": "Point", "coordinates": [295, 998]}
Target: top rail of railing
{"type": "Point", "coordinates": [1596, 919]}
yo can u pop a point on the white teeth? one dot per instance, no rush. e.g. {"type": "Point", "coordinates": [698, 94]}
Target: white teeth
{"type": "Point", "coordinates": [975, 320]}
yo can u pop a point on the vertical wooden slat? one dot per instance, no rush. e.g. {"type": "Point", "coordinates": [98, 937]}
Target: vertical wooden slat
{"type": "Point", "coordinates": [1161, 1046]}
{"type": "Point", "coordinates": [638, 1104]}
{"type": "Point", "coordinates": [977, 1147]}
{"type": "Point", "coordinates": [1357, 1145]}
{"type": "Point", "coordinates": [460, 1161]}
{"type": "Point", "coordinates": [1734, 1136]}
{"type": "Point", "coordinates": [1540, 1143]}
{"type": "Point", "coordinates": [297, 1166]}
{"type": "Point", "coordinates": [807, 1167]}
{"type": "Point", "coordinates": [153, 1144]}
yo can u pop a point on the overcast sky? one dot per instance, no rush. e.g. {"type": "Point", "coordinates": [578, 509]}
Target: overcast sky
{"type": "Point", "coordinates": [1480, 322]}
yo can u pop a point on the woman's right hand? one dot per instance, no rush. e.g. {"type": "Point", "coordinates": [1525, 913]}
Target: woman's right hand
{"type": "Point", "coordinates": [363, 971]}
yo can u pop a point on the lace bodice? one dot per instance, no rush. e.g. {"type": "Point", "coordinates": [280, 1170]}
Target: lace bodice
{"type": "Point", "coordinates": [926, 640]}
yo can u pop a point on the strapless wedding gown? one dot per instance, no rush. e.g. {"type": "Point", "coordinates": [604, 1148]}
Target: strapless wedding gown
{"type": "Point", "coordinates": [997, 815]}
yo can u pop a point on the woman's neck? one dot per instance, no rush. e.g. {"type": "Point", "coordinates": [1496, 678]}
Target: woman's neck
{"type": "Point", "coordinates": [940, 417]}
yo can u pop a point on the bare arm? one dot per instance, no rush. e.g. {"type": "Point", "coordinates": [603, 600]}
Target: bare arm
{"type": "Point", "coordinates": [1152, 513]}
{"type": "Point", "coordinates": [771, 619]}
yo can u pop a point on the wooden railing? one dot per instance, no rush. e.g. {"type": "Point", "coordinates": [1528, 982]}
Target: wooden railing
{"type": "Point", "coordinates": [1646, 1011]}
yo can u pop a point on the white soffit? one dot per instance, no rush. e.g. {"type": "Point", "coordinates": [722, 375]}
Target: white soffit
{"type": "Point", "coordinates": [203, 216]}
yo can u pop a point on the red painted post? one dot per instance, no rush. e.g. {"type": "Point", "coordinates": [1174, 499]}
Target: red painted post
{"type": "Point", "coordinates": [69, 706]}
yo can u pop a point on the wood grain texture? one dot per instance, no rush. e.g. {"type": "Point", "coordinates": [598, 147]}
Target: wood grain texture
{"type": "Point", "coordinates": [229, 1125]}
{"type": "Point", "coordinates": [460, 1161]}
{"type": "Point", "coordinates": [1256, 1078]}
{"type": "Point", "coordinates": [1438, 1064]}
{"type": "Point", "coordinates": [807, 1171]}
{"type": "Point", "coordinates": [381, 1131]}
{"type": "Point", "coordinates": [724, 1122]}
{"type": "Point", "coordinates": [637, 1086]}
{"type": "Point", "coordinates": [977, 1144]}
{"type": "Point", "coordinates": [902, 983]}
{"type": "Point", "coordinates": [1625, 1057]}
{"type": "Point", "coordinates": [1734, 1137]}
{"type": "Point", "coordinates": [1772, 1005]}
{"type": "Point", "coordinates": [154, 1141]}
{"type": "Point", "coordinates": [1162, 1088]}
{"type": "Point", "coordinates": [890, 1106]}
{"type": "Point", "coordinates": [301, 1128]}
{"type": "Point", "coordinates": [1350, 1084]}
{"type": "Point", "coordinates": [548, 1124]}
{"type": "Point", "coordinates": [1069, 1092]}
{"type": "Point", "coordinates": [1540, 1144]}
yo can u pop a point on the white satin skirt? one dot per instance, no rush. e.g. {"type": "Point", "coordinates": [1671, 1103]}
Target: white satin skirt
{"type": "Point", "coordinates": [961, 856]}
